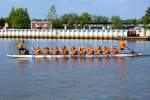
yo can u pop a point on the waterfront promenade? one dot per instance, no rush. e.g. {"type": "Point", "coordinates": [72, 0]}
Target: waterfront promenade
{"type": "Point", "coordinates": [71, 34]}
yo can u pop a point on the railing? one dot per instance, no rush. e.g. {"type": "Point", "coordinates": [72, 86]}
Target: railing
{"type": "Point", "coordinates": [70, 33]}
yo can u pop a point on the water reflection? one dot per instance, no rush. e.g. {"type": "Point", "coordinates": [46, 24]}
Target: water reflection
{"type": "Point", "coordinates": [106, 60]}
{"type": "Point", "coordinates": [83, 59]}
{"type": "Point", "coordinates": [22, 62]}
{"type": "Point", "coordinates": [47, 60]}
{"type": "Point", "coordinates": [99, 60]}
{"type": "Point", "coordinates": [91, 60]}
{"type": "Point", "coordinates": [122, 68]}
{"type": "Point", "coordinates": [74, 59]}
{"type": "Point", "coordinates": [114, 59]}
{"type": "Point", "coordinates": [65, 59]}
{"type": "Point", "coordinates": [122, 86]}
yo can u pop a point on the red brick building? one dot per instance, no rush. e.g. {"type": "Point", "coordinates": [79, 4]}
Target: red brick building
{"type": "Point", "coordinates": [41, 25]}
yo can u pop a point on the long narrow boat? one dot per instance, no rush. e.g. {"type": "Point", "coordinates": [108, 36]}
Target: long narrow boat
{"type": "Point", "coordinates": [78, 56]}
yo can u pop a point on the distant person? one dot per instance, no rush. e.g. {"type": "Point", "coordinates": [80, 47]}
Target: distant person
{"type": "Point", "coordinates": [38, 51]}
{"type": "Point", "coordinates": [46, 51]}
{"type": "Point", "coordinates": [83, 51]}
{"type": "Point", "coordinates": [99, 50]}
{"type": "Point", "coordinates": [114, 50]}
{"type": "Point", "coordinates": [22, 49]}
{"type": "Point", "coordinates": [122, 45]}
{"type": "Point", "coordinates": [56, 51]}
{"type": "Point", "coordinates": [65, 51]}
{"type": "Point", "coordinates": [91, 51]}
{"type": "Point", "coordinates": [74, 51]}
{"type": "Point", "coordinates": [106, 51]}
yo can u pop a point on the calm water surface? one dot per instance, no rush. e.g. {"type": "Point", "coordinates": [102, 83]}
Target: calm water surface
{"type": "Point", "coordinates": [74, 78]}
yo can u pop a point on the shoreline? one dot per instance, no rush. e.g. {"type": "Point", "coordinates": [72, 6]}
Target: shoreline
{"type": "Point", "coordinates": [56, 38]}
{"type": "Point", "coordinates": [84, 34]}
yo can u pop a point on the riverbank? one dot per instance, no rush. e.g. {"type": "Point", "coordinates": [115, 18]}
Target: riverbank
{"type": "Point", "coordinates": [73, 34]}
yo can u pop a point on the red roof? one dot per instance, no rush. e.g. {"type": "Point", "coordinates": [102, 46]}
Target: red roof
{"type": "Point", "coordinates": [40, 22]}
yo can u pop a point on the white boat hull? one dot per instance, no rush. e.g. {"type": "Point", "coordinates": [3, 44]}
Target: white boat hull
{"type": "Point", "coordinates": [87, 56]}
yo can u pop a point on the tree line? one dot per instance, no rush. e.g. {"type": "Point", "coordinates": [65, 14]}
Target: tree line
{"type": "Point", "coordinates": [19, 18]}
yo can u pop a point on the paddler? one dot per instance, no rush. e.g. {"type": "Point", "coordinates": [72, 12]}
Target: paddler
{"type": "Point", "coordinates": [106, 51]}
{"type": "Point", "coordinates": [47, 51]}
{"type": "Point", "coordinates": [65, 51]}
{"type": "Point", "coordinates": [99, 50]}
{"type": "Point", "coordinates": [38, 51]}
{"type": "Point", "coordinates": [56, 51]}
{"type": "Point", "coordinates": [21, 48]}
{"type": "Point", "coordinates": [114, 50]}
{"type": "Point", "coordinates": [91, 51]}
{"type": "Point", "coordinates": [82, 51]}
{"type": "Point", "coordinates": [122, 45]}
{"type": "Point", "coordinates": [74, 51]}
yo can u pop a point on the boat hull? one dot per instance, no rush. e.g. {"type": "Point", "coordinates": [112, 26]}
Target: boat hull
{"type": "Point", "coordinates": [78, 56]}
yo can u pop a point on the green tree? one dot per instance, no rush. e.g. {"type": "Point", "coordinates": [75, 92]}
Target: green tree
{"type": "Point", "coordinates": [147, 12]}
{"type": "Point", "coordinates": [19, 18]}
{"type": "Point", "coordinates": [85, 18]}
{"type": "Point", "coordinates": [134, 22]}
{"type": "Point", "coordinates": [2, 22]}
{"type": "Point", "coordinates": [58, 23]}
{"type": "Point", "coordinates": [145, 21]}
{"type": "Point", "coordinates": [116, 22]}
{"type": "Point", "coordinates": [71, 19]}
{"type": "Point", "coordinates": [100, 19]}
{"type": "Point", "coordinates": [10, 17]}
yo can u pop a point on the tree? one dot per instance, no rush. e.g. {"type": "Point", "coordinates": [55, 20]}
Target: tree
{"type": "Point", "coordinates": [116, 22]}
{"type": "Point", "coordinates": [145, 21]}
{"type": "Point", "coordinates": [52, 13]}
{"type": "Point", "coordinates": [148, 12]}
{"type": "Point", "coordinates": [100, 19]}
{"type": "Point", "coordinates": [71, 19]}
{"type": "Point", "coordinates": [85, 18]}
{"type": "Point", "coordinates": [134, 22]}
{"type": "Point", "coordinates": [58, 23]}
{"type": "Point", "coordinates": [19, 18]}
{"type": "Point", "coordinates": [11, 15]}
{"type": "Point", "coordinates": [2, 22]}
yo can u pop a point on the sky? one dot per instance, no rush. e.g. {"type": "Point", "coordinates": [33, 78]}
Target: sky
{"type": "Point", "coordinates": [126, 9]}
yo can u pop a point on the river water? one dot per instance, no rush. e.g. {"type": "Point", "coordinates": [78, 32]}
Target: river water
{"type": "Point", "coordinates": [74, 78]}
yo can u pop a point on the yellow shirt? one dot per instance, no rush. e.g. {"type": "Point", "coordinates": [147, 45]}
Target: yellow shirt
{"type": "Point", "coordinates": [122, 44]}
{"type": "Point", "coordinates": [20, 45]}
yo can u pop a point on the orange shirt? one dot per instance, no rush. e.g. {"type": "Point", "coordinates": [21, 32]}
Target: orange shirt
{"type": "Point", "coordinates": [82, 51]}
{"type": "Point", "coordinates": [74, 52]}
{"type": "Point", "coordinates": [37, 51]}
{"type": "Point", "coordinates": [99, 51]}
{"type": "Point", "coordinates": [65, 52]}
{"type": "Point", "coordinates": [90, 51]}
{"type": "Point", "coordinates": [47, 52]}
{"type": "Point", "coordinates": [106, 51]}
{"type": "Point", "coordinates": [114, 51]}
{"type": "Point", "coordinates": [56, 51]}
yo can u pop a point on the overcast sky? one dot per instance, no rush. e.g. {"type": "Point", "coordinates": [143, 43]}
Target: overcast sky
{"type": "Point", "coordinates": [39, 8]}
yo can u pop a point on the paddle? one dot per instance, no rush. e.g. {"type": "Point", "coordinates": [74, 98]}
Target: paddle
{"type": "Point", "coordinates": [131, 50]}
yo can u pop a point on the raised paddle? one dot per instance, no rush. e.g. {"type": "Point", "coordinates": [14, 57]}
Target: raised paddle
{"type": "Point", "coordinates": [131, 50]}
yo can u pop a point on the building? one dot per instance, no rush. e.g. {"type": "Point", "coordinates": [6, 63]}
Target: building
{"type": "Point", "coordinates": [4, 26]}
{"type": "Point", "coordinates": [41, 25]}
